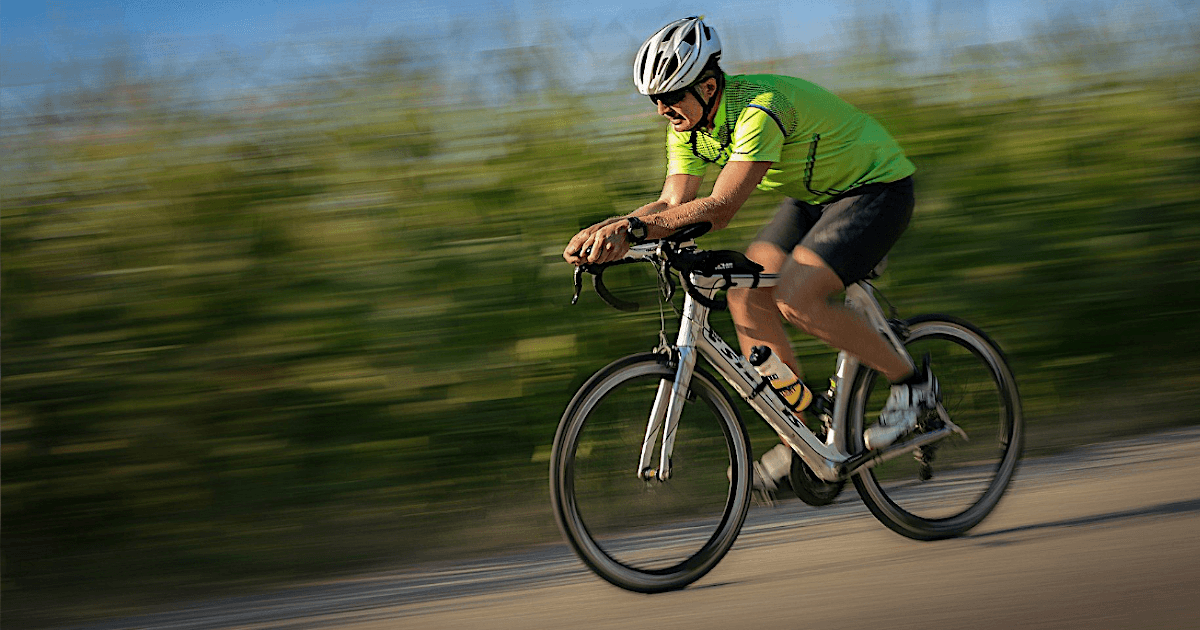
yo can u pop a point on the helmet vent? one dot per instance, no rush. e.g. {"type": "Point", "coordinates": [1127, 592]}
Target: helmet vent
{"type": "Point", "coordinates": [669, 68]}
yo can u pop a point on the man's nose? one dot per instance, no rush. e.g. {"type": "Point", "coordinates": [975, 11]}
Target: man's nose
{"type": "Point", "coordinates": [662, 109]}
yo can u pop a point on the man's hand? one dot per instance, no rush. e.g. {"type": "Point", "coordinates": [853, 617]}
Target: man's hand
{"type": "Point", "coordinates": [607, 241]}
{"type": "Point", "coordinates": [613, 244]}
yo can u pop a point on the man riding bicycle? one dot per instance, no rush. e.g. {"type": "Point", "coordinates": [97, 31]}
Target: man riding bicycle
{"type": "Point", "coordinates": [849, 190]}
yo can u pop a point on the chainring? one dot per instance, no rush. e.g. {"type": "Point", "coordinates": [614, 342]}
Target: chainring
{"type": "Point", "coordinates": [810, 488]}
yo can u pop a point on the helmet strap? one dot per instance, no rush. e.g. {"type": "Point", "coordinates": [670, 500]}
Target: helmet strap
{"type": "Point", "coordinates": [707, 106]}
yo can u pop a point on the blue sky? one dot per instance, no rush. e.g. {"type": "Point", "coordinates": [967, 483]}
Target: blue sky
{"type": "Point", "coordinates": [37, 36]}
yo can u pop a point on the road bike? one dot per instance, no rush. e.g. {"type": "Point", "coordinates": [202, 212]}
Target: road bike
{"type": "Point", "coordinates": [651, 467]}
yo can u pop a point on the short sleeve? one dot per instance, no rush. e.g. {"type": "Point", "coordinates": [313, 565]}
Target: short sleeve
{"type": "Point", "coordinates": [680, 157]}
{"type": "Point", "coordinates": [757, 137]}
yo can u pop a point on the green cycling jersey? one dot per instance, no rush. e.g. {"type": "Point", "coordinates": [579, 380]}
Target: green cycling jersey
{"type": "Point", "coordinates": [820, 145]}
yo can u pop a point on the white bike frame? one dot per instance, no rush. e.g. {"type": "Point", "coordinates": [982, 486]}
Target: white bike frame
{"type": "Point", "coordinates": [829, 460]}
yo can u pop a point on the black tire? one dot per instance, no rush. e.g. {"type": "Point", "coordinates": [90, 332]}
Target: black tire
{"type": "Point", "coordinates": [968, 477]}
{"type": "Point", "coordinates": [649, 536]}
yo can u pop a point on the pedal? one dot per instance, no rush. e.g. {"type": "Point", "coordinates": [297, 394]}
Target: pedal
{"type": "Point", "coordinates": [763, 497]}
{"type": "Point", "coordinates": [762, 485]}
{"type": "Point", "coordinates": [762, 489]}
{"type": "Point", "coordinates": [945, 418]}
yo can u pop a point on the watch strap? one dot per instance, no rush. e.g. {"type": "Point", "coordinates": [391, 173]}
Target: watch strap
{"type": "Point", "coordinates": [637, 231]}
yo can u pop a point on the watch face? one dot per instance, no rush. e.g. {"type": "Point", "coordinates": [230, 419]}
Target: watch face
{"type": "Point", "coordinates": [637, 229]}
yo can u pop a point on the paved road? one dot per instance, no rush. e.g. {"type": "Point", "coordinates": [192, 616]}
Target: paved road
{"type": "Point", "coordinates": [1104, 537]}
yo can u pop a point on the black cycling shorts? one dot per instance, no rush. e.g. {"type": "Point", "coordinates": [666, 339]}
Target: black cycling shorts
{"type": "Point", "coordinates": [851, 233]}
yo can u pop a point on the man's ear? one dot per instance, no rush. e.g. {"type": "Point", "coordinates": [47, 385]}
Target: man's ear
{"type": "Point", "coordinates": [710, 87]}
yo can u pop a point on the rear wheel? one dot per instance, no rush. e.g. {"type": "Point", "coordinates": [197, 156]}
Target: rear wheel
{"type": "Point", "coordinates": [647, 535]}
{"type": "Point", "coordinates": [944, 489]}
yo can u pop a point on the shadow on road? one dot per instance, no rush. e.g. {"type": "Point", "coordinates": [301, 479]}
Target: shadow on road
{"type": "Point", "coordinates": [1163, 509]}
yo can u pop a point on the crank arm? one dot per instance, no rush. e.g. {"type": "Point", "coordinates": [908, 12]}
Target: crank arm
{"type": "Point", "coordinates": [870, 459]}
{"type": "Point", "coordinates": [950, 423]}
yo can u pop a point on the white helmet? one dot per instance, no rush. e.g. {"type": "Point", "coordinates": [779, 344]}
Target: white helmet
{"type": "Point", "coordinates": [674, 57]}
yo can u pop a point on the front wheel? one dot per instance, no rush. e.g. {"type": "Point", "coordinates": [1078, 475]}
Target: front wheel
{"type": "Point", "coordinates": [944, 489]}
{"type": "Point", "coordinates": [647, 535]}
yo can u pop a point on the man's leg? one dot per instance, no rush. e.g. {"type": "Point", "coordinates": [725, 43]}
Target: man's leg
{"type": "Point", "coordinates": [853, 233]}
{"type": "Point", "coordinates": [758, 322]}
{"type": "Point", "coordinates": [755, 315]}
{"type": "Point", "coordinates": [806, 298]}
{"type": "Point", "coordinates": [807, 295]}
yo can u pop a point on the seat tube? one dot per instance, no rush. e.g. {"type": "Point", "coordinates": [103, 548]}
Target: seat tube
{"type": "Point", "coordinates": [861, 297]}
{"type": "Point", "coordinates": [694, 317]}
{"type": "Point", "coordinates": [847, 369]}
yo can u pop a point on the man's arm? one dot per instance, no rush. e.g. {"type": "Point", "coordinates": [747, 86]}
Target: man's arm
{"type": "Point", "coordinates": [734, 185]}
{"type": "Point", "coordinates": [677, 189]}
{"type": "Point", "coordinates": [737, 180]}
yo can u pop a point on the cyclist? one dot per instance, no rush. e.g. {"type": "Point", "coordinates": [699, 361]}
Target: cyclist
{"type": "Point", "coordinates": [849, 197]}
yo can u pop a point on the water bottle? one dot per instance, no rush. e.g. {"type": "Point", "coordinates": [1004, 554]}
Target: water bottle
{"type": "Point", "coordinates": [781, 378]}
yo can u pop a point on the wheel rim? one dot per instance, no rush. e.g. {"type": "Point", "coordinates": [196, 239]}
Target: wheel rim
{"type": "Point", "coordinates": [968, 476]}
{"type": "Point", "coordinates": [637, 530]}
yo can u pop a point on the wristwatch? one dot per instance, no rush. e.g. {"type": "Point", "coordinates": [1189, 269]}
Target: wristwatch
{"type": "Point", "coordinates": [637, 231]}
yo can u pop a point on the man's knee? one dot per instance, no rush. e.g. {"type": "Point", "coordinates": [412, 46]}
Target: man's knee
{"type": "Point", "coordinates": [767, 254]}
{"type": "Point", "coordinates": [798, 312]}
{"type": "Point", "coordinates": [807, 287]}
{"type": "Point", "coordinates": [796, 296]}
{"type": "Point", "coordinates": [801, 302]}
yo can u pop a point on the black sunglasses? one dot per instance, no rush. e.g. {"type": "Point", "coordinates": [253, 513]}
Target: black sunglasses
{"type": "Point", "coordinates": [669, 98]}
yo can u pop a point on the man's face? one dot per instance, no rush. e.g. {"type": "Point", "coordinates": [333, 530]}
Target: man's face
{"type": "Point", "coordinates": [681, 108]}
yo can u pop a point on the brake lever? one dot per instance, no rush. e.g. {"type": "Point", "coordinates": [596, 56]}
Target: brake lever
{"type": "Point", "coordinates": [666, 284]}
{"type": "Point", "coordinates": [578, 284]}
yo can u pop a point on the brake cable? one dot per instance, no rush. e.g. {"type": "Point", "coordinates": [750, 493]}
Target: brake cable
{"type": "Point", "coordinates": [666, 292]}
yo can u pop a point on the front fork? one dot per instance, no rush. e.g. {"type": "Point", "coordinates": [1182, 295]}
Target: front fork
{"type": "Point", "coordinates": [671, 396]}
{"type": "Point", "coordinates": [668, 406]}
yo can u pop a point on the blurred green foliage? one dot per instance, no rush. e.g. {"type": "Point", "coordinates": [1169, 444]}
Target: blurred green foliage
{"type": "Point", "coordinates": [334, 330]}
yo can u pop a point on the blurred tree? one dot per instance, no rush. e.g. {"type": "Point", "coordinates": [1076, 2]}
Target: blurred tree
{"type": "Point", "coordinates": [328, 326]}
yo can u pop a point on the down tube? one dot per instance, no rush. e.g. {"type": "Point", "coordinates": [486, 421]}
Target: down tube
{"type": "Point", "coordinates": [822, 459]}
